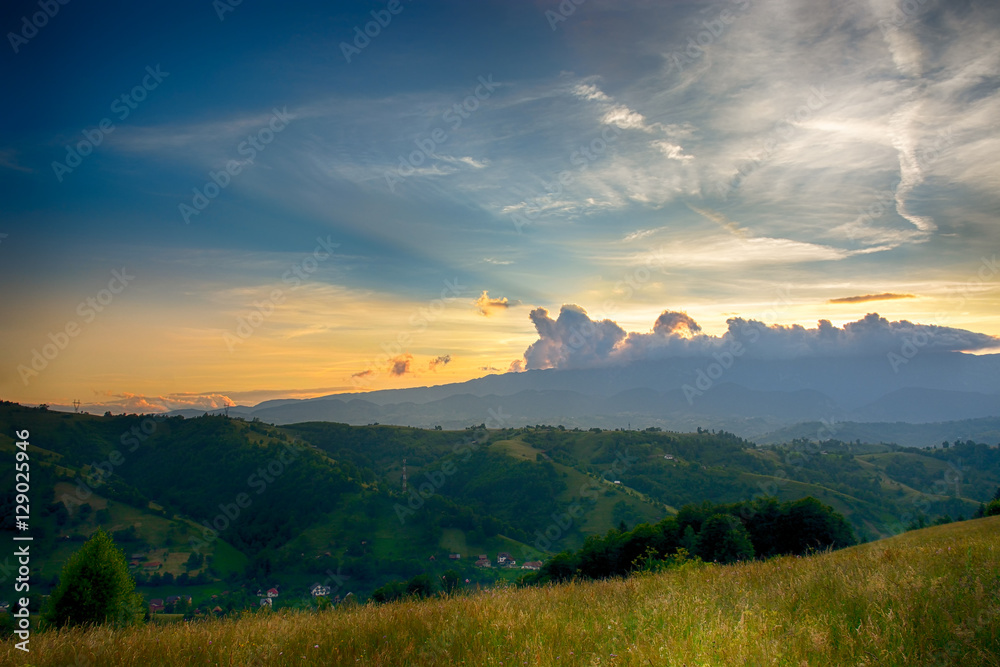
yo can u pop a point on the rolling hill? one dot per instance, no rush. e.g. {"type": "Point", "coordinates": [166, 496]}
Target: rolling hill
{"type": "Point", "coordinates": [316, 501]}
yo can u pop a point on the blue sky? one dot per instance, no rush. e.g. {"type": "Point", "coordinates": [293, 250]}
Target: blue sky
{"type": "Point", "coordinates": [627, 157]}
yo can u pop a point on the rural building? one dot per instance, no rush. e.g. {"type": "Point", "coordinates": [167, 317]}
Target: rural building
{"type": "Point", "coordinates": [319, 590]}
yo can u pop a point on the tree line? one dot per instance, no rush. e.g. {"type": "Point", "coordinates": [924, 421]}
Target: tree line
{"type": "Point", "coordinates": [723, 533]}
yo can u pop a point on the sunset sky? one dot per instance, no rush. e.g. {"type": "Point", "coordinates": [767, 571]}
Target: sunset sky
{"type": "Point", "coordinates": [387, 210]}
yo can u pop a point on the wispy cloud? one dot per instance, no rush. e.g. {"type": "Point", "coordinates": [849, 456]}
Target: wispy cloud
{"type": "Point", "coordinates": [886, 296]}
{"type": "Point", "coordinates": [638, 234]}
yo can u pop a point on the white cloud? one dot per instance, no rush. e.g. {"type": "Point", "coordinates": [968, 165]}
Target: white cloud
{"type": "Point", "coordinates": [573, 340]}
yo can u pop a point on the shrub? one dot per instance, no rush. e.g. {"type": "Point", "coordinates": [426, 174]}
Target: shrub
{"type": "Point", "coordinates": [95, 588]}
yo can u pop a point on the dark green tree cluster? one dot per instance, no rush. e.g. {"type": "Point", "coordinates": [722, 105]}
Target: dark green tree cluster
{"type": "Point", "coordinates": [715, 533]}
{"type": "Point", "coordinates": [991, 508]}
{"type": "Point", "coordinates": [420, 586]}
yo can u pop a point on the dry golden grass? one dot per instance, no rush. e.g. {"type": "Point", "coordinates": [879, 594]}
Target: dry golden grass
{"type": "Point", "coordinates": [930, 597]}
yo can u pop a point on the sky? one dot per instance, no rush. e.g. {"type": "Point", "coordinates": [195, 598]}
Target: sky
{"type": "Point", "coordinates": [208, 203]}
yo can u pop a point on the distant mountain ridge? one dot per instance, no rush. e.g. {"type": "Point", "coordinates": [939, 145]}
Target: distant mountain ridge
{"type": "Point", "coordinates": [751, 397]}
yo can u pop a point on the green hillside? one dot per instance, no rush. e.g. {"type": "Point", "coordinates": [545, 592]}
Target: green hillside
{"type": "Point", "coordinates": [228, 507]}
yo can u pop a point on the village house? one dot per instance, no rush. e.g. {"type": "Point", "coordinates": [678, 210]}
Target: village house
{"type": "Point", "coordinates": [484, 561]}
{"type": "Point", "coordinates": [532, 565]}
{"type": "Point", "coordinates": [266, 602]}
{"type": "Point", "coordinates": [152, 566]}
{"type": "Point", "coordinates": [504, 559]}
{"type": "Point", "coordinates": [272, 592]}
{"type": "Point", "coordinates": [319, 590]}
{"type": "Point", "coordinates": [155, 605]}
{"type": "Point", "coordinates": [454, 556]}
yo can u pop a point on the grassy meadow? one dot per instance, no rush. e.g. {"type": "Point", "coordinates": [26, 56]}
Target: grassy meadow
{"type": "Point", "coordinates": [928, 597]}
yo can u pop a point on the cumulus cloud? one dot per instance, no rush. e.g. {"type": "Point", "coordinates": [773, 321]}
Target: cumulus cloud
{"type": "Point", "coordinates": [443, 360]}
{"type": "Point", "coordinates": [670, 323]}
{"type": "Point", "coordinates": [142, 404]}
{"type": "Point", "coordinates": [885, 296]}
{"type": "Point", "coordinates": [400, 365]}
{"type": "Point", "coordinates": [487, 306]}
{"type": "Point", "coordinates": [516, 366]}
{"type": "Point", "coordinates": [573, 340]}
